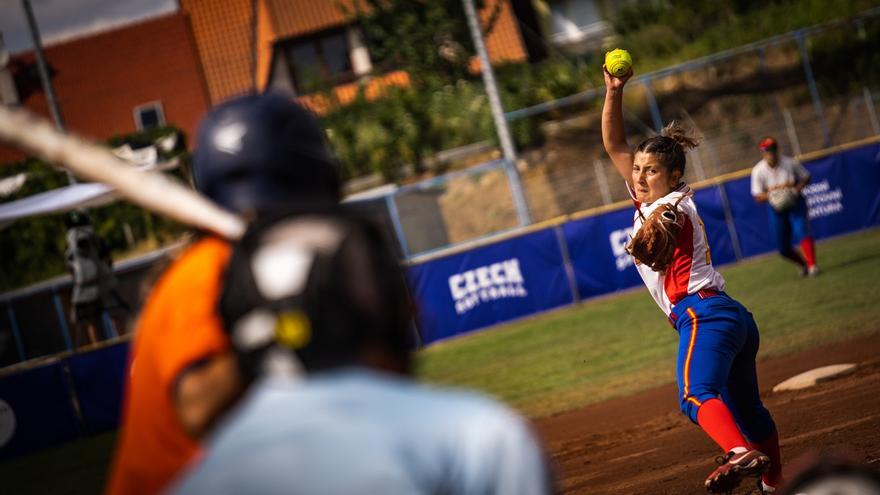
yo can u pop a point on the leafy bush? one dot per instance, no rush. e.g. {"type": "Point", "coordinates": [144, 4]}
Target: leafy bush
{"type": "Point", "coordinates": [32, 249]}
{"type": "Point", "coordinates": [661, 33]}
{"type": "Point", "coordinates": [407, 124]}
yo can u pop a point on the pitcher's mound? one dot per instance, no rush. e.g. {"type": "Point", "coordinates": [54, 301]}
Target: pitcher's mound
{"type": "Point", "coordinates": [814, 376]}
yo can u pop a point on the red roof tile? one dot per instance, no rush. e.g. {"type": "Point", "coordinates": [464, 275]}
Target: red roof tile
{"type": "Point", "coordinates": [224, 32]}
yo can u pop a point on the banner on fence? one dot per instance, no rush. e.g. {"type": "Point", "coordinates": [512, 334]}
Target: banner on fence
{"type": "Point", "coordinates": [843, 196]}
{"type": "Point", "coordinates": [596, 246]}
{"type": "Point", "coordinates": [35, 411]}
{"type": "Point", "coordinates": [466, 291]}
{"type": "Point", "coordinates": [98, 378]}
{"type": "Point", "coordinates": [490, 284]}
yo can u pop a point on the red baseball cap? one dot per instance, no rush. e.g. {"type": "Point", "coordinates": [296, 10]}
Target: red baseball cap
{"type": "Point", "coordinates": [767, 144]}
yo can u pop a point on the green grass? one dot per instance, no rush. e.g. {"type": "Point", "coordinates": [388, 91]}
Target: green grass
{"type": "Point", "coordinates": [73, 468]}
{"type": "Point", "coordinates": [579, 355]}
{"type": "Point", "coordinates": [621, 345]}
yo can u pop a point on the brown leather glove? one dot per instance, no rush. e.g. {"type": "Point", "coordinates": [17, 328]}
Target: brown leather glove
{"type": "Point", "coordinates": [654, 244]}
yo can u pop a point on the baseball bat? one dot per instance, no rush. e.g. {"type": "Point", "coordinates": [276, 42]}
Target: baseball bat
{"type": "Point", "coordinates": [151, 190]}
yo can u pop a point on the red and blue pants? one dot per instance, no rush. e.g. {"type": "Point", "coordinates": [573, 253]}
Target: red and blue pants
{"type": "Point", "coordinates": [789, 226]}
{"type": "Point", "coordinates": [717, 346]}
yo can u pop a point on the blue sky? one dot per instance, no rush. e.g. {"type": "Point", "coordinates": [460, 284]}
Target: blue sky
{"type": "Point", "coordinates": [62, 19]}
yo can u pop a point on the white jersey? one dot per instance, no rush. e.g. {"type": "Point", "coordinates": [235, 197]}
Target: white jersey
{"type": "Point", "coordinates": [356, 431]}
{"type": "Point", "coordinates": [786, 173]}
{"type": "Point", "coordinates": [691, 269]}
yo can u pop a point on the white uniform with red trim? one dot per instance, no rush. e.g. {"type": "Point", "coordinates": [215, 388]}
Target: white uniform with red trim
{"type": "Point", "coordinates": [691, 269]}
{"type": "Point", "coordinates": [787, 172]}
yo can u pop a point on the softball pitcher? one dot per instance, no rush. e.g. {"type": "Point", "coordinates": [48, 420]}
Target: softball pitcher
{"type": "Point", "coordinates": [718, 338]}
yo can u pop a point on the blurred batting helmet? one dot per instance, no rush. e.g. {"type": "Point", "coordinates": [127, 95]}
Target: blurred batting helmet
{"type": "Point", "coordinates": [315, 290]}
{"type": "Point", "coordinates": [264, 152]}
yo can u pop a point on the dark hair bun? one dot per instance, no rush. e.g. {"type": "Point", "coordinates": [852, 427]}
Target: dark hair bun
{"type": "Point", "coordinates": [681, 134]}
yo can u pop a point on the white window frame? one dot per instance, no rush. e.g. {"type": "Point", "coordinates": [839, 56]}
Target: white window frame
{"type": "Point", "coordinates": [152, 105]}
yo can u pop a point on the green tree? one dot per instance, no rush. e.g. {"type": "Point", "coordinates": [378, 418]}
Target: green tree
{"type": "Point", "coordinates": [429, 39]}
{"type": "Point", "coordinates": [32, 249]}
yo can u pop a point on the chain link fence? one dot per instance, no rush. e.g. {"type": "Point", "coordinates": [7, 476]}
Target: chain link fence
{"type": "Point", "coordinates": [792, 86]}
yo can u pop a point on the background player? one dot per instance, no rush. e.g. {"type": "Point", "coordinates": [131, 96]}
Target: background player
{"type": "Point", "coordinates": [718, 338]}
{"type": "Point", "coordinates": [255, 155]}
{"type": "Point", "coordinates": [324, 294]}
{"type": "Point", "coordinates": [94, 284]}
{"type": "Point", "coordinates": [785, 177]}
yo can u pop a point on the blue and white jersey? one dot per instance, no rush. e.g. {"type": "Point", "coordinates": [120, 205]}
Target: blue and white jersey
{"type": "Point", "coordinates": [355, 431]}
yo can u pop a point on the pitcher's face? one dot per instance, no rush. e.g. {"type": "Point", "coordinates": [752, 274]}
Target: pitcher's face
{"type": "Point", "coordinates": [651, 179]}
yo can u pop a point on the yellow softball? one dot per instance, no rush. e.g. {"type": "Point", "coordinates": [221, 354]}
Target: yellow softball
{"type": "Point", "coordinates": [618, 62]}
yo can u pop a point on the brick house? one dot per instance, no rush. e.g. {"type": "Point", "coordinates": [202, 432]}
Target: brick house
{"type": "Point", "coordinates": [119, 81]}
{"type": "Point", "coordinates": [269, 43]}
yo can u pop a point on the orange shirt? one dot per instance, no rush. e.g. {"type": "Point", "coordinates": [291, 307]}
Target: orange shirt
{"type": "Point", "coordinates": [178, 327]}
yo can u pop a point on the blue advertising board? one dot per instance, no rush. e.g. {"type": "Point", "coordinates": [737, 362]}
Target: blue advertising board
{"type": "Point", "coordinates": [98, 378]}
{"type": "Point", "coordinates": [843, 196]}
{"type": "Point", "coordinates": [35, 411]}
{"type": "Point", "coordinates": [489, 284]}
{"type": "Point", "coordinates": [596, 247]}
{"type": "Point", "coordinates": [710, 206]}
{"type": "Point", "coordinates": [749, 218]}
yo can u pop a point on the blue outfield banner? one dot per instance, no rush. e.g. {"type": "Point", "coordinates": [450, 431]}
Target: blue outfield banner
{"type": "Point", "coordinates": [490, 284]}
{"type": "Point", "coordinates": [36, 411]}
{"type": "Point", "coordinates": [710, 206]}
{"type": "Point", "coordinates": [467, 291]}
{"type": "Point", "coordinates": [843, 196]}
{"type": "Point", "coordinates": [98, 378]}
{"type": "Point", "coordinates": [596, 246]}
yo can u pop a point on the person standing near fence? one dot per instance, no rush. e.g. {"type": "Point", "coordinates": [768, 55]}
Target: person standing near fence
{"type": "Point", "coordinates": [718, 337]}
{"type": "Point", "coordinates": [255, 154]}
{"type": "Point", "coordinates": [779, 181]}
{"type": "Point", "coordinates": [94, 284]}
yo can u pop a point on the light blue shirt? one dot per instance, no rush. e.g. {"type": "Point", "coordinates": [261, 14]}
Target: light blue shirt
{"type": "Point", "coordinates": [355, 431]}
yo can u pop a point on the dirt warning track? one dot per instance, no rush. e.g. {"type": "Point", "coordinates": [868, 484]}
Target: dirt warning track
{"type": "Point", "coordinates": [642, 445]}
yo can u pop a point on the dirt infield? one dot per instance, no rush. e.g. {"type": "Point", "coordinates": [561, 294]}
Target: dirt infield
{"type": "Point", "coordinates": [642, 445]}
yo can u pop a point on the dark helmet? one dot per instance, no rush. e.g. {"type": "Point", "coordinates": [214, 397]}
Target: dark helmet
{"type": "Point", "coordinates": [264, 152]}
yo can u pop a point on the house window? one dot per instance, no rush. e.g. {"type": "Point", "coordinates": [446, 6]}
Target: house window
{"type": "Point", "coordinates": [149, 115]}
{"type": "Point", "coordinates": [318, 61]}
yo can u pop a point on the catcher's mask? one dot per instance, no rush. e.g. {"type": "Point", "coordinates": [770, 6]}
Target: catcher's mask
{"type": "Point", "coordinates": [310, 291]}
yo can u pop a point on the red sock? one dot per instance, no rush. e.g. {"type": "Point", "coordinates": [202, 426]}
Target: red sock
{"type": "Point", "coordinates": [716, 420]}
{"type": "Point", "coordinates": [770, 446]}
{"type": "Point", "coordinates": [809, 249]}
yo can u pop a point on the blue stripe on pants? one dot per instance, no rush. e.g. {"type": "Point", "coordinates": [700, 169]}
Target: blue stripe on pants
{"type": "Point", "coordinates": [718, 343]}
